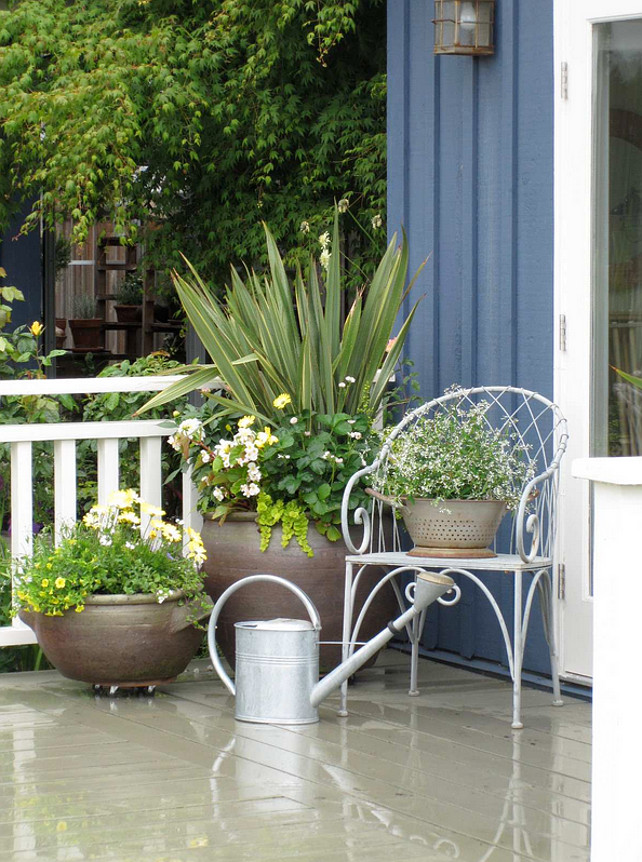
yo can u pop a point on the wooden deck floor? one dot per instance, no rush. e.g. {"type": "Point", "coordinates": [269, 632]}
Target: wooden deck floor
{"type": "Point", "coordinates": [174, 777]}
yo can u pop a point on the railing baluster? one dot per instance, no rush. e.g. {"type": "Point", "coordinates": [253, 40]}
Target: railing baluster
{"type": "Point", "coordinates": [191, 516]}
{"type": "Point", "coordinates": [65, 502]}
{"type": "Point", "coordinates": [107, 468]}
{"type": "Point", "coordinates": [21, 499]}
{"type": "Point", "coordinates": [150, 476]}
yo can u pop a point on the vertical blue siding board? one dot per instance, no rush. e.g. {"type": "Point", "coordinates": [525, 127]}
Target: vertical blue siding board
{"type": "Point", "coordinates": [470, 177]}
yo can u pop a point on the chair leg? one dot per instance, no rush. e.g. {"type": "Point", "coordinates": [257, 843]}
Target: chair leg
{"type": "Point", "coordinates": [518, 652]}
{"type": "Point", "coordinates": [414, 655]}
{"type": "Point", "coordinates": [346, 637]}
{"type": "Point", "coordinates": [547, 591]}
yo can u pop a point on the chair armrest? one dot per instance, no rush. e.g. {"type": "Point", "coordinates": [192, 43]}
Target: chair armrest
{"type": "Point", "coordinates": [361, 516]}
{"type": "Point", "coordinates": [540, 523]}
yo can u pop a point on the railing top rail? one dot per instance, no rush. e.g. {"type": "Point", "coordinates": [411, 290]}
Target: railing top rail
{"type": "Point", "coordinates": [85, 430]}
{"type": "Point", "coordinates": [92, 385]}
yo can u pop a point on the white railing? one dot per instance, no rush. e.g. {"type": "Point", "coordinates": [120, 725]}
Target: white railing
{"type": "Point", "coordinates": [65, 436]}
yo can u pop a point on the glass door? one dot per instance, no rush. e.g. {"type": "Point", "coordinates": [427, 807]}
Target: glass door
{"type": "Point", "coordinates": [598, 274]}
{"type": "Point", "coordinates": [617, 246]}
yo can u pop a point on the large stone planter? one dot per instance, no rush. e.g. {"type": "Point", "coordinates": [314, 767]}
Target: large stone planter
{"type": "Point", "coordinates": [120, 640]}
{"type": "Point", "coordinates": [233, 553]}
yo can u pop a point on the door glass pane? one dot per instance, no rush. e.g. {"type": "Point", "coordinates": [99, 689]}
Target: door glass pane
{"type": "Point", "coordinates": [617, 237]}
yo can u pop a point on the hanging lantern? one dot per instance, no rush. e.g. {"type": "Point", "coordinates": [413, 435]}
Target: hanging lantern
{"type": "Point", "coordinates": [464, 26]}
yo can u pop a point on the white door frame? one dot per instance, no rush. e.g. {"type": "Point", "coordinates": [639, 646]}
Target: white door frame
{"type": "Point", "coordinates": [573, 28]}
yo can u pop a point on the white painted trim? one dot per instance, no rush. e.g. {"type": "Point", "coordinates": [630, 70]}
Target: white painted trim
{"type": "Point", "coordinates": [93, 385]}
{"type": "Point", "coordinates": [86, 430]}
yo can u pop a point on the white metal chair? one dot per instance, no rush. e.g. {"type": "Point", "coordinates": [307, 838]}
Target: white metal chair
{"type": "Point", "coordinates": [538, 428]}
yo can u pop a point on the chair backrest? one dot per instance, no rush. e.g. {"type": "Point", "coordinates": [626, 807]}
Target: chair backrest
{"type": "Point", "coordinates": [536, 427]}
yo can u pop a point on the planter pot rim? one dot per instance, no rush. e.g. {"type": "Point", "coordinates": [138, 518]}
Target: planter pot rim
{"type": "Point", "coordinates": [131, 598]}
{"type": "Point", "coordinates": [233, 516]}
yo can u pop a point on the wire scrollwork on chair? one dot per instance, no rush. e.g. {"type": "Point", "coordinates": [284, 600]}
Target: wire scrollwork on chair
{"type": "Point", "coordinates": [361, 517]}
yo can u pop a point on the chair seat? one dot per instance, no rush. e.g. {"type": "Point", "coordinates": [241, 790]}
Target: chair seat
{"type": "Point", "coordinates": [501, 563]}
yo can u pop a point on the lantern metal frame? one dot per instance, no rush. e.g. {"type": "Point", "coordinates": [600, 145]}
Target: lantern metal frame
{"type": "Point", "coordinates": [464, 27]}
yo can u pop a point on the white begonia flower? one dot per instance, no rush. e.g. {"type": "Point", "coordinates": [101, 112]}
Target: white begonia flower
{"type": "Point", "coordinates": [253, 473]}
{"type": "Point", "coordinates": [250, 489]}
{"type": "Point", "coordinates": [307, 433]}
{"type": "Point", "coordinates": [205, 457]}
{"type": "Point", "coordinates": [217, 493]}
{"type": "Point", "coordinates": [356, 435]}
{"type": "Point", "coordinates": [293, 420]}
{"type": "Point", "coordinates": [191, 428]}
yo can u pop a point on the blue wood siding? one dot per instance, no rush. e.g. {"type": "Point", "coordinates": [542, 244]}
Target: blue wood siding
{"type": "Point", "coordinates": [470, 176]}
{"type": "Point", "coordinates": [21, 258]}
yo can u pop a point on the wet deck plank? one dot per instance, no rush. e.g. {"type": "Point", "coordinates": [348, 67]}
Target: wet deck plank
{"type": "Point", "coordinates": [436, 777]}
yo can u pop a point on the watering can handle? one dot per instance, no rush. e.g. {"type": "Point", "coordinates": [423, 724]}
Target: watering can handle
{"type": "Point", "coordinates": [211, 630]}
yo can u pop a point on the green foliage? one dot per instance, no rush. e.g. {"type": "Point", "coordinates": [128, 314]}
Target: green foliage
{"type": "Point", "coordinates": [84, 307]}
{"type": "Point", "coordinates": [21, 357]}
{"type": "Point", "coordinates": [456, 455]}
{"type": "Point", "coordinates": [272, 338]}
{"type": "Point", "coordinates": [117, 406]}
{"type": "Point", "coordinates": [18, 658]}
{"type": "Point", "coordinates": [148, 111]}
{"type": "Point", "coordinates": [106, 554]}
{"type": "Point", "coordinates": [292, 476]}
{"type": "Point", "coordinates": [130, 291]}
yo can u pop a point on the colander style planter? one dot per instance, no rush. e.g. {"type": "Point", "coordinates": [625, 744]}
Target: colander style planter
{"type": "Point", "coordinates": [453, 528]}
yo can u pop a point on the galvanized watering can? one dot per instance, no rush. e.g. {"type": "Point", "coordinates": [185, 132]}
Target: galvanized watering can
{"type": "Point", "coordinates": [277, 661]}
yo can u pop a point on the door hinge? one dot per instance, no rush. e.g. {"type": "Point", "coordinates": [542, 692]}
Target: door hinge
{"type": "Point", "coordinates": [561, 581]}
{"type": "Point", "coordinates": [564, 80]}
{"type": "Point", "coordinates": [562, 331]}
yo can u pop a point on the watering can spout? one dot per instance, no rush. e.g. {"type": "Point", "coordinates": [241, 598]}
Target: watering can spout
{"type": "Point", "coordinates": [428, 587]}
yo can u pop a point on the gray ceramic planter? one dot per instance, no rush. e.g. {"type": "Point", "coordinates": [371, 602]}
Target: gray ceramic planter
{"type": "Point", "coordinates": [121, 640]}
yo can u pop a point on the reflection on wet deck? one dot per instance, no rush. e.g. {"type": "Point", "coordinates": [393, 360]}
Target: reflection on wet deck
{"type": "Point", "coordinates": [437, 777]}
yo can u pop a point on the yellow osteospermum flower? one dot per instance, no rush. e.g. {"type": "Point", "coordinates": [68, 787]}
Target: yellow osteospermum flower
{"type": "Point", "coordinates": [246, 421]}
{"type": "Point", "coordinates": [36, 328]}
{"type": "Point", "coordinates": [282, 401]}
{"type": "Point", "coordinates": [170, 532]}
{"type": "Point", "coordinates": [129, 518]}
{"type": "Point", "coordinates": [122, 499]}
{"type": "Point", "coordinates": [60, 583]}
{"type": "Point", "coordinates": [152, 511]}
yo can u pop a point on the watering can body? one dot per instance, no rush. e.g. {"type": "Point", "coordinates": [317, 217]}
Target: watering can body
{"type": "Point", "coordinates": [277, 661]}
{"type": "Point", "coordinates": [277, 666]}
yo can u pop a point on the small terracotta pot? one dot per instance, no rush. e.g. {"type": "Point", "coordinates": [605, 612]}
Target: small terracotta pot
{"type": "Point", "coordinates": [129, 313]}
{"type": "Point", "coordinates": [87, 333]}
{"type": "Point", "coordinates": [124, 640]}
{"type": "Point", "coordinates": [233, 553]}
